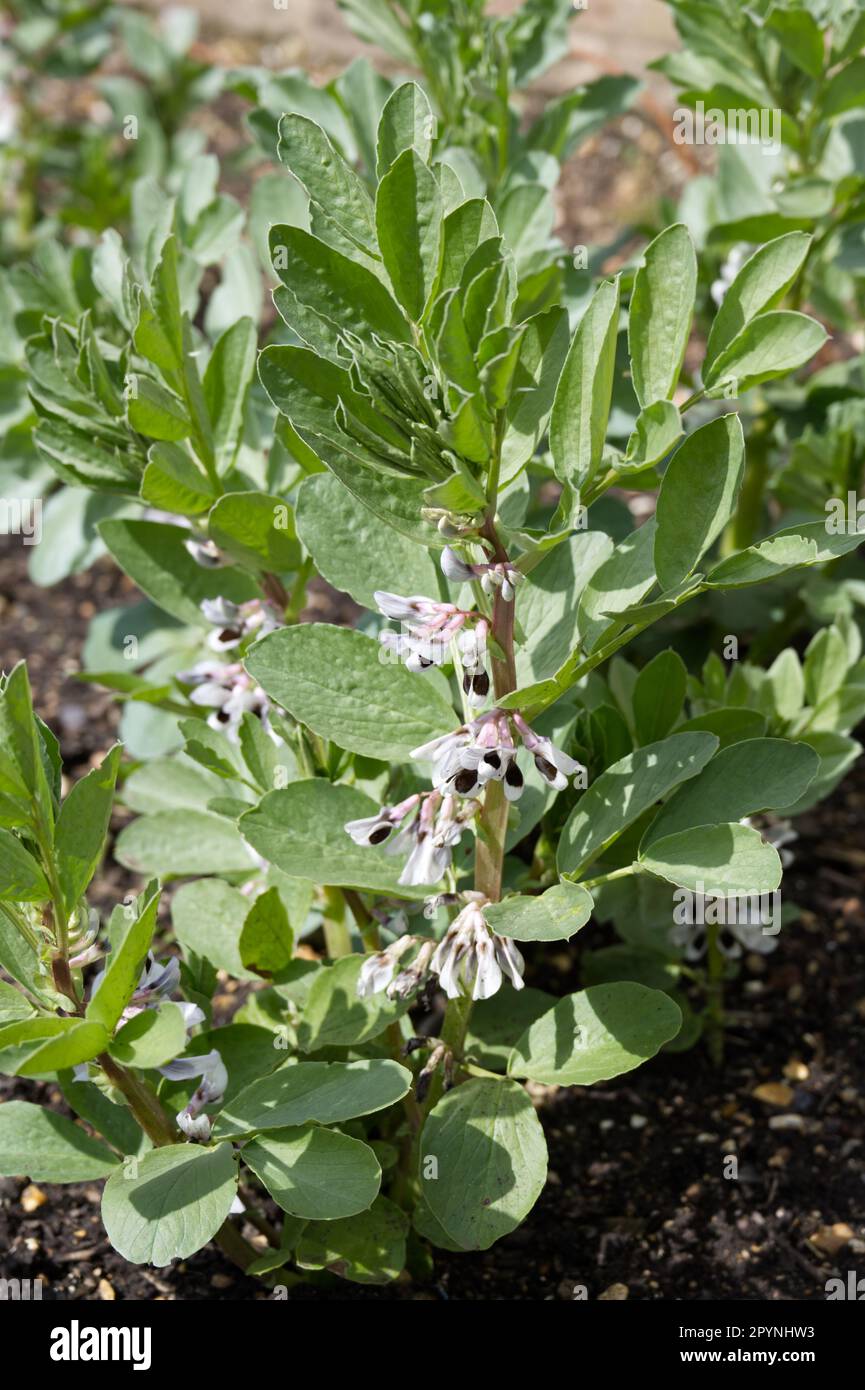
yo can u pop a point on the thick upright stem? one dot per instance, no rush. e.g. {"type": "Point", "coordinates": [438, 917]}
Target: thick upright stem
{"type": "Point", "coordinates": [144, 1105]}
{"type": "Point", "coordinates": [337, 935]}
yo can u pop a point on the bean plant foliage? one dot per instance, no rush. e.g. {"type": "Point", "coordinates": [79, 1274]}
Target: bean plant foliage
{"type": "Point", "coordinates": [380, 829]}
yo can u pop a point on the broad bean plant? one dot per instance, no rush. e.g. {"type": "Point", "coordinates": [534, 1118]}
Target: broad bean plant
{"type": "Point", "coordinates": [378, 828]}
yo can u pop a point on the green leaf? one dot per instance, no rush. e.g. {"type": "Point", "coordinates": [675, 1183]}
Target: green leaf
{"type": "Point", "coordinates": [549, 603]}
{"type": "Point", "coordinates": [173, 483]}
{"type": "Point", "coordinates": [13, 1005]}
{"type": "Point", "coordinates": [844, 90]}
{"type": "Point", "coordinates": [335, 1015]}
{"type": "Point", "coordinates": [465, 229]}
{"type": "Point", "coordinates": [624, 791]}
{"type": "Point", "coordinates": [617, 584]}
{"type": "Point", "coordinates": [183, 842]}
{"type": "Point", "coordinates": [267, 941]}
{"type": "Point", "coordinates": [21, 769]}
{"type": "Point", "coordinates": [497, 1023]}
{"type": "Point", "coordinates": [761, 284]}
{"type": "Point", "coordinates": [21, 878]}
{"type": "Point", "coordinates": [397, 501]}
{"type": "Point", "coordinates": [354, 549]}
{"type": "Point", "coordinates": [596, 1034]}
{"type": "Point", "coordinates": [406, 122]}
{"type": "Point", "coordinates": [581, 409]}
{"type": "Point", "coordinates": [552, 916]}
{"type": "Point", "coordinates": [332, 680]}
{"type": "Point", "coordinates": [490, 1161]}
{"type": "Point", "coordinates": [800, 37]}
{"type": "Point", "coordinates": [114, 1122]}
{"type": "Point", "coordinates": [761, 774]}
{"type": "Point", "coordinates": [315, 1173]}
{"type": "Point", "coordinates": [36, 1143]}
{"type": "Point", "coordinates": [325, 1092]}
{"type": "Point", "coordinates": [697, 497]}
{"type": "Point", "coordinates": [658, 430]}
{"type": "Point", "coordinates": [718, 860]}
{"type": "Point", "coordinates": [826, 663]}
{"type": "Point", "coordinates": [150, 1039]}
{"type": "Point", "coordinates": [170, 1202]}
{"type": "Point", "coordinates": [156, 559]}
{"type": "Point", "coordinates": [543, 349]}
{"type": "Point", "coordinates": [82, 826]}
{"type": "Point", "coordinates": [368, 1248]}
{"type": "Point", "coordinates": [38, 1046]}
{"type": "Point", "coordinates": [156, 412]}
{"type": "Point", "coordinates": [227, 379]}
{"type": "Point", "coordinates": [408, 216]}
{"type": "Point", "coordinates": [123, 967]}
{"type": "Point", "coordinates": [301, 829]}
{"type": "Point", "coordinates": [659, 694]}
{"type": "Point", "coordinates": [769, 346]}
{"type": "Point", "coordinates": [256, 529]}
{"type": "Point", "coordinates": [329, 294]}
{"type": "Point", "coordinates": [808, 544]}
{"type": "Point", "coordinates": [308, 152]}
{"type": "Point", "coordinates": [208, 918]}
{"type": "Point", "coordinates": [660, 316]}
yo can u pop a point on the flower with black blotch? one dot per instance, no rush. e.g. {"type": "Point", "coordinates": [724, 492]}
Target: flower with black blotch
{"type": "Point", "coordinates": [554, 766]}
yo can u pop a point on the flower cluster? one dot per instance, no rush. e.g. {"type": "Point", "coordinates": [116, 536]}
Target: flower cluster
{"type": "Point", "coordinates": [234, 623]}
{"type": "Point", "coordinates": [485, 750]}
{"type": "Point", "coordinates": [470, 961]}
{"type": "Point", "coordinates": [229, 693]}
{"type": "Point", "coordinates": [429, 628]}
{"type": "Point", "coordinates": [464, 761]}
{"type": "Point", "coordinates": [433, 826]}
{"type": "Point", "coordinates": [495, 575]}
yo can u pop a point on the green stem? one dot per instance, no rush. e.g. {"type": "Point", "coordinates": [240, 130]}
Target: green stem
{"type": "Point", "coordinates": [296, 600]}
{"type": "Point", "coordinates": [590, 883]}
{"type": "Point", "coordinates": [337, 936]}
{"type": "Point", "coordinates": [366, 924]}
{"type": "Point", "coordinates": [143, 1102]}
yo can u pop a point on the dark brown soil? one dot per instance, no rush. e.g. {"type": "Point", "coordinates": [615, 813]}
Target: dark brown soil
{"type": "Point", "coordinates": [637, 1198]}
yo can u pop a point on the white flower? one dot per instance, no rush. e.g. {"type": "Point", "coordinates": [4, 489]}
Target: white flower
{"type": "Point", "coordinates": [471, 959]}
{"type": "Point", "coordinates": [416, 606]}
{"type": "Point", "coordinates": [196, 1127]}
{"type": "Point", "coordinates": [553, 765]}
{"type": "Point", "coordinates": [377, 971]}
{"type": "Point", "coordinates": [209, 1066]}
{"type": "Point", "coordinates": [370, 830]}
{"type": "Point", "coordinates": [454, 568]}
{"type": "Point", "coordinates": [206, 553]}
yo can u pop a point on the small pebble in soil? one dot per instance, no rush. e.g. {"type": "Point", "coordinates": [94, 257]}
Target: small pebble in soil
{"type": "Point", "coordinates": [773, 1093]}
